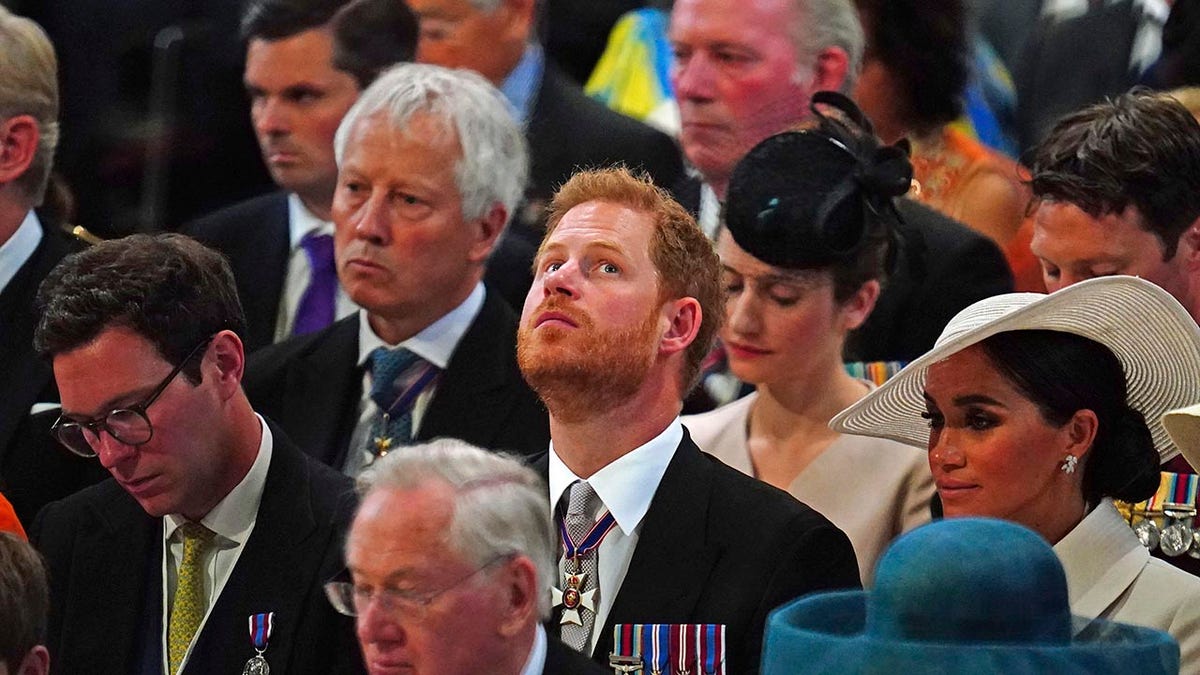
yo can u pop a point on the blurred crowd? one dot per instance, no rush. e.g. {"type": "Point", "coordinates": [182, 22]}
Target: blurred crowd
{"type": "Point", "coordinates": [540, 336]}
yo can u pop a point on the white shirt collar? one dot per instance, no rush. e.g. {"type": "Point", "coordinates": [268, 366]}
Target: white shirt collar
{"type": "Point", "coordinates": [437, 341]}
{"type": "Point", "coordinates": [536, 663]}
{"type": "Point", "coordinates": [301, 221]}
{"type": "Point", "coordinates": [627, 484]}
{"type": "Point", "coordinates": [15, 252]}
{"type": "Point", "coordinates": [234, 516]}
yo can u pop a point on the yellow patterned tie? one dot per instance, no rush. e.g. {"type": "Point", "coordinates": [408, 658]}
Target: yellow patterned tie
{"type": "Point", "coordinates": [189, 606]}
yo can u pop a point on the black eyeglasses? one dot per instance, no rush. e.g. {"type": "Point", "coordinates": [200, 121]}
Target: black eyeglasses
{"type": "Point", "coordinates": [128, 425]}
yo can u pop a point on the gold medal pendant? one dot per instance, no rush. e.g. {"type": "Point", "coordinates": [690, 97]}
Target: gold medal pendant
{"type": "Point", "coordinates": [383, 445]}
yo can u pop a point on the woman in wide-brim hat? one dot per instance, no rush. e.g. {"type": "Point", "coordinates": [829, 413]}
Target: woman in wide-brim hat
{"type": "Point", "coordinates": [809, 220]}
{"type": "Point", "coordinates": [1042, 409]}
{"type": "Point", "coordinates": [966, 595]}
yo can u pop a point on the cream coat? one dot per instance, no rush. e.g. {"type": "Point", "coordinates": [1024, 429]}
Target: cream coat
{"type": "Point", "coordinates": [871, 488]}
{"type": "Point", "coordinates": [1110, 575]}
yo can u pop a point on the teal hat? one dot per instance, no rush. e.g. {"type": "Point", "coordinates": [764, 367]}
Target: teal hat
{"type": "Point", "coordinates": [964, 595]}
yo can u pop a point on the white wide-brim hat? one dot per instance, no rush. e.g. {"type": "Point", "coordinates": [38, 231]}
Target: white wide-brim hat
{"type": "Point", "coordinates": [1156, 340]}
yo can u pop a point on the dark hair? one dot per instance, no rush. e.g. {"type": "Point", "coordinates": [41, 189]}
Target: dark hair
{"type": "Point", "coordinates": [924, 45]}
{"type": "Point", "coordinates": [1138, 149]}
{"type": "Point", "coordinates": [278, 19]}
{"type": "Point", "coordinates": [821, 198]}
{"type": "Point", "coordinates": [371, 35]}
{"type": "Point", "coordinates": [168, 288]}
{"type": "Point", "coordinates": [1062, 373]}
{"type": "Point", "coordinates": [24, 600]}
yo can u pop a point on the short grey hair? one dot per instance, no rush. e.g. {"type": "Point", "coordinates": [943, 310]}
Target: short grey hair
{"type": "Point", "coordinates": [501, 506]}
{"type": "Point", "coordinates": [494, 164]}
{"type": "Point", "coordinates": [29, 86]}
{"type": "Point", "coordinates": [818, 24]}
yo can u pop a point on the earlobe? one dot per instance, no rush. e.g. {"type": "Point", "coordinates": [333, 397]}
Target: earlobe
{"type": "Point", "coordinates": [229, 354]}
{"type": "Point", "coordinates": [861, 304]}
{"type": "Point", "coordinates": [521, 601]}
{"type": "Point", "coordinates": [487, 231]}
{"type": "Point", "coordinates": [685, 320]}
{"type": "Point", "coordinates": [18, 145]}
{"type": "Point", "coordinates": [1189, 246]}
{"type": "Point", "coordinates": [1081, 433]}
{"type": "Point", "coordinates": [36, 662]}
{"type": "Point", "coordinates": [832, 67]}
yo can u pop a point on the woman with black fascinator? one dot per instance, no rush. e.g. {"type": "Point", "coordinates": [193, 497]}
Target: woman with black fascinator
{"type": "Point", "coordinates": [810, 228]}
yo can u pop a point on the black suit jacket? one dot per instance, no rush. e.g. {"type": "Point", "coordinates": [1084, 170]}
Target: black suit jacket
{"type": "Point", "coordinates": [1065, 65]}
{"type": "Point", "coordinates": [717, 546]}
{"type": "Point", "coordinates": [569, 131]}
{"type": "Point", "coordinates": [254, 235]}
{"type": "Point", "coordinates": [34, 468]}
{"type": "Point", "coordinates": [105, 559]}
{"type": "Point", "coordinates": [312, 385]}
{"type": "Point", "coordinates": [938, 273]}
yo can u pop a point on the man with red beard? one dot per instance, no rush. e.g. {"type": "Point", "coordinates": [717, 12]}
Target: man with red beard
{"type": "Point", "coordinates": [624, 306]}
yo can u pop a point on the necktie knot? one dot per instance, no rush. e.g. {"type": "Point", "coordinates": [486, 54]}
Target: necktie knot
{"type": "Point", "coordinates": [319, 249]}
{"type": "Point", "coordinates": [318, 305]}
{"type": "Point", "coordinates": [195, 532]}
{"type": "Point", "coordinates": [582, 500]}
{"type": "Point", "coordinates": [389, 370]}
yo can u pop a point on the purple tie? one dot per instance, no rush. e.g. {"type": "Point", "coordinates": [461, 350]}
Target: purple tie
{"type": "Point", "coordinates": [316, 308]}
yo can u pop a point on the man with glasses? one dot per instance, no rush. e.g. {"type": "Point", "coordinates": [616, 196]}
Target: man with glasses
{"type": "Point", "coordinates": [206, 551]}
{"type": "Point", "coordinates": [451, 565]}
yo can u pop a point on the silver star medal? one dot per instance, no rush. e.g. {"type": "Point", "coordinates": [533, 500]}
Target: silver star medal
{"type": "Point", "coordinates": [571, 598]}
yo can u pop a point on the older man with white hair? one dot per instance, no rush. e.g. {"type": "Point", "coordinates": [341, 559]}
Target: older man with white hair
{"type": "Point", "coordinates": [452, 562]}
{"type": "Point", "coordinates": [32, 470]}
{"type": "Point", "coordinates": [744, 70]}
{"type": "Point", "coordinates": [431, 166]}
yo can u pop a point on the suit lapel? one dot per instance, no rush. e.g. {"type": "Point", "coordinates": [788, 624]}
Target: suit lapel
{"type": "Point", "coordinates": [262, 269]}
{"type": "Point", "coordinates": [473, 398]}
{"type": "Point", "coordinates": [268, 575]}
{"type": "Point", "coordinates": [321, 389]}
{"type": "Point", "coordinates": [25, 376]}
{"type": "Point", "coordinates": [672, 561]}
{"type": "Point", "coordinates": [111, 620]}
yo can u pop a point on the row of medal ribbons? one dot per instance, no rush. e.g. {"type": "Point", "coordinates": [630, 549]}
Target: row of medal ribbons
{"type": "Point", "coordinates": [668, 649]}
{"type": "Point", "coordinates": [1166, 520]}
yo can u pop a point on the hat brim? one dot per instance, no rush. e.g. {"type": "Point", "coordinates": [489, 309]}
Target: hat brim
{"type": "Point", "coordinates": [1183, 426]}
{"type": "Point", "coordinates": [1156, 340]}
{"type": "Point", "coordinates": [826, 633]}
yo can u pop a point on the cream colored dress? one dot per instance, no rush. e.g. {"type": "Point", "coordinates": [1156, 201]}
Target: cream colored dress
{"type": "Point", "coordinates": [872, 488]}
{"type": "Point", "coordinates": [1110, 575]}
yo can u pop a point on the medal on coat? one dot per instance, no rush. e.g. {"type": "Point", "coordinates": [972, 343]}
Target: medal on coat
{"type": "Point", "coordinates": [1177, 537]}
{"type": "Point", "coordinates": [260, 634]}
{"type": "Point", "coordinates": [669, 649]}
{"type": "Point", "coordinates": [571, 597]}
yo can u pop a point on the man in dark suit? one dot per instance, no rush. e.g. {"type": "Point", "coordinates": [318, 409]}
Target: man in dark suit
{"type": "Point", "coordinates": [212, 518]}
{"type": "Point", "coordinates": [565, 129]}
{"type": "Point", "coordinates": [730, 101]}
{"type": "Point", "coordinates": [301, 80]}
{"type": "Point", "coordinates": [624, 306]}
{"type": "Point", "coordinates": [33, 470]}
{"type": "Point", "coordinates": [469, 531]}
{"type": "Point", "coordinates": [418, 210]}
